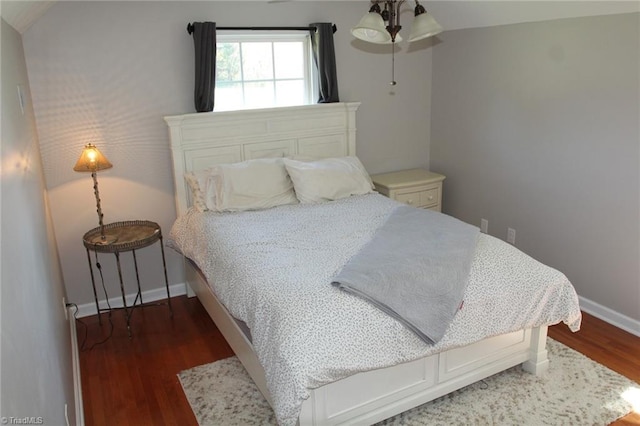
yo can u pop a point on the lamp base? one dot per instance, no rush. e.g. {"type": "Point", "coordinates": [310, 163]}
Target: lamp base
{"type": "Point", "coordinates": [100, 241]}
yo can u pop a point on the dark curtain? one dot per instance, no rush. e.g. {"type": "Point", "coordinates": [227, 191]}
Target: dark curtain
{"type": "Point", "coordinates": [324, 57]}
{"type": "Point", "coordinates": [204, 40]}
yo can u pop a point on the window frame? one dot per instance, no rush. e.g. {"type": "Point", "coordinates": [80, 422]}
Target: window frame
{"type": "Point", "coordinates": [310, 73]}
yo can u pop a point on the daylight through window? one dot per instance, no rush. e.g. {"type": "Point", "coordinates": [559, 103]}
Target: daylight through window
{"type": "Point", "coordinates": [261, 71]}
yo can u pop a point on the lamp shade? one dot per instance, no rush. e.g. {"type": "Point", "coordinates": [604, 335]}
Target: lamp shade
{"type": "Point", "coordinates": [91, 160]}
{"type": "Point", "coordinates": [424, 25]}
{"type": "Point", "coordinates": [371, 28]}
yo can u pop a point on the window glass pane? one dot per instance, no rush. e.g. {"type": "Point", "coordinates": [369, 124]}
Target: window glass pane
{"type": "Point", "coordinates": [258, 94]}
{"type": "Point", "coordinates": [257, 61]}
{"type": "Point", "coordinates": [228, 96]}
{"type": "Point", "coordinates": [289, 59]}
{"type": "Point", "coordinates": [289, 92]}
{"type": "Point", "coordinates": [262, 70]}
{"type": "Point", "coordinates": [228, 62]}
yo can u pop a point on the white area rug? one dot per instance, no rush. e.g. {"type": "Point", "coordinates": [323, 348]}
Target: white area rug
{"type": "Point", "coordinates": [575, 391]}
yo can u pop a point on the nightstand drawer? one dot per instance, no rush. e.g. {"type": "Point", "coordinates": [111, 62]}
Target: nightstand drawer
{"type": "Point", "coordinates": [422, 198]}
{"type": "Point", "coordinates": [410, 198]}
{"type": "Point", "coordinates": [430, 197]}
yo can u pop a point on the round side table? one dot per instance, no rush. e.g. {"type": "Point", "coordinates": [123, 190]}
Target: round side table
{"type": "Point", "coordinates": [119, 237]}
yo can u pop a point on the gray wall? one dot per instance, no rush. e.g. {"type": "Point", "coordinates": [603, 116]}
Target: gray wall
{"type": "Point", "coordinates": [37, 378]}
{"type": "Point", "coordinates": [536, 127]}
{"type": "Point", "coordinates": [107, 73]}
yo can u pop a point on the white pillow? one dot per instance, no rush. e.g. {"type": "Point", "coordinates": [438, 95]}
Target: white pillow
{"type": "Point", "coordinates": [328, 179]}
{"type": "Point", "coordinates": [197, 182]}
{"type": "Point", "coordinates": [251, 185]}
{"type": "Point", "coordinates": [209, 187]}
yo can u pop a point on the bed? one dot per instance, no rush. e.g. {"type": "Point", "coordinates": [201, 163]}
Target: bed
{"type": "Point", "coordinates": [373, 390]}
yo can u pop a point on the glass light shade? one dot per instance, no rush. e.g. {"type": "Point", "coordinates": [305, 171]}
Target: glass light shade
{"type": "Point", "coordinates": [371, 28]}
{"type": "Point", "coordinates": [424, 25]}
{"type": "Point", "coordinates": [91, 160]}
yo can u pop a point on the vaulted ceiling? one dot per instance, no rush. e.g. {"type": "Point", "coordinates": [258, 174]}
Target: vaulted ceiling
{"type": "Point", "coordinates": [451, 14]}
{"type": "Point", "coordinates": [21, 14]}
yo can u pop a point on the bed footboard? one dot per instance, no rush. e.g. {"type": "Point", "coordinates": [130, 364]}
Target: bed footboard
{"type": "Point", "coordinates": [372, 396]}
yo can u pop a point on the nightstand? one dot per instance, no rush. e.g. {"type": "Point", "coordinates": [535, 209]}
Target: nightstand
{"type": "Point", "coordinates": [121, 237]}
{"type": "Point", "coordinates": [416, 187]}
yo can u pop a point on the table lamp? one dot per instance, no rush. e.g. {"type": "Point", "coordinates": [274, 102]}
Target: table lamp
{"type": "Point", "coordinates": [92, 160]}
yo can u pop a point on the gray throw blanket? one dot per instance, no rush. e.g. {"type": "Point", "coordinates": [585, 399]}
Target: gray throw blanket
{"type": "Point", "coordinates": [415, 268]}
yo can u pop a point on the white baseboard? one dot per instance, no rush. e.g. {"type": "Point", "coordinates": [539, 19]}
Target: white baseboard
{"type": "Point", "coordinates": [609, 315]}
{"type": "Point", "coordinates": [77, 382]}
{"type": "Point", "coordinates": [88, 309]}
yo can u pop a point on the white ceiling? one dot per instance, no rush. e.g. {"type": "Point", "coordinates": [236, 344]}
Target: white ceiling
{"type": "Point", "coordinates": [21, 14]}
{"type": "Point", "coordinates": [452, 14]}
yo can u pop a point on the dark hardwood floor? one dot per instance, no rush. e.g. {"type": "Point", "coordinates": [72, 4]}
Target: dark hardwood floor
{"type": "Point", "coordinates": [134, 381]}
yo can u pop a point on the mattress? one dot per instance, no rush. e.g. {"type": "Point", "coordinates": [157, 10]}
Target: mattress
{"type": "Point", "coordinates": [273, 268]}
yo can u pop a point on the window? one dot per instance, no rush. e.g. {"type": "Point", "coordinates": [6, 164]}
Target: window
{"type": "Point", "coordinates": [263, 70]}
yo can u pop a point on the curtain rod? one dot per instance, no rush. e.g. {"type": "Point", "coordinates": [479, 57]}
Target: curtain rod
{"type": "Point", "coordinates": [309, 28]}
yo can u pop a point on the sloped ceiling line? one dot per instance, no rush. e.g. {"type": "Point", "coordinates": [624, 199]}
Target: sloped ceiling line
{"type": "Point", "coordinates": [452, 15]}
{"type": "Point", "coordinates": [21, 14]}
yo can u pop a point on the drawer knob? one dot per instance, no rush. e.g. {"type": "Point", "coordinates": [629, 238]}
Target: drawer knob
{"type": "Point", "coordinates": [430, 197]}
{"type": "Point", "coordinates": [409, 201]}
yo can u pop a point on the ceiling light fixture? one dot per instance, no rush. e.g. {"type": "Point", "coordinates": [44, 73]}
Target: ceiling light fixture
{"type": "Point", "coordinates": [383, 26]}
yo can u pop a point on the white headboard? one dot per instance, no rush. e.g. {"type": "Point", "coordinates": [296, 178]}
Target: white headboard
{"type": "Point", "coordinates": [201, 140]}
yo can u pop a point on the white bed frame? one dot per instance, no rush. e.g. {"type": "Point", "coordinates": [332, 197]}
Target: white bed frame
{"type": "Point", "coordinates": [201, 140]}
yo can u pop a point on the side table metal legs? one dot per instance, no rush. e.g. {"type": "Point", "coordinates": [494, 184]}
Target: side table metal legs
{"type": "Point", "coordinates": [166, 279]}
{"type": "Point", "coordinates": [123, 237]}
{"type": "Point", "coordinates": [138, 299]}
{"type": "Point", "coordinates": [124, 298]}
{"type": "Point", "coordinates": [139, 294]}
{"type": "Point", "coordinates": [93, 284]}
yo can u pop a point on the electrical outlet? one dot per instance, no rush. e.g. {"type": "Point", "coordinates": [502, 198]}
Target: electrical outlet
{"type": "Point", "coordinates": [511, 236]}
{"type": "Point", "coordinates": [484, 226]}
{"type": "Point", "coordinates": [64, 306]}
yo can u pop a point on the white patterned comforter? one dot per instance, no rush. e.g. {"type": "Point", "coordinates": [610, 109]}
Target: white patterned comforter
{"type": "Point", "coordinates": [273, 269]}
